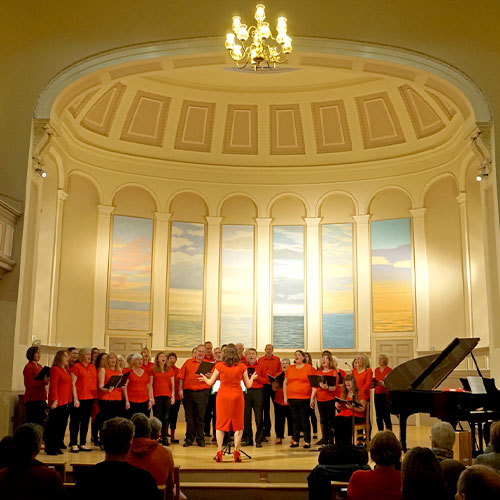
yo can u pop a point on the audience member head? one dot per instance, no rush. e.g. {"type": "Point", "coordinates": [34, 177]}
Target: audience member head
{"type": "Point", "coordinates": [451, 472]}
{"type": "Point", "coordinates": [285, 363]}
{"type": "Point", "coordinates": [27, 442]}
{"type": "Point", "coordinates": [230, 356]}
{"type": "Point", "coordinates": [6, 451]}
{"type": "Point", "coordinates": [478, 482]}
{"type": "Point", "coordinates": [161, 362]}
{"type": "Point", "coordinates": [85, 355]}
{"type": "Point", "coordinates": [343, 454]}
{"type": "Point", "coordinates": [383, 360]}
{"type": "Point", "coordinates": [421, 476]}
{"type": "Point", "coordinates": [116, 437]}
{"type": "Point", "coordinates": [142, 425]}
{"type": "Point", "coordinates": [495, 437]}
{"type": "Point", "coordinates": [33, 353]}
{"type": "Point", "coordinates": [385, 449]}
{"type": "Point", "coordinates": [156, 426]}
{"type": "Point", "coordinates": [443, 437]}
{"type": "Point", "coordinates": [61, 359]}
{"type": "Point", "coordinates": [172, 358]}
{"type": "Point", "coordinates": [112, 361]}
{"type": "Point", "coordinates": [94, 352]}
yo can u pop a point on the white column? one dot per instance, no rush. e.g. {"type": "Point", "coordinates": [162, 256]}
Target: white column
{"type": "Point", "coordinates": [56, 260]}
{"type": "Point", "coordinates": [464, 231]}
{"type": "Point", "coordinates": [364, 285]}
{"type": "Point", "coordinates": [421, 279]}
{"type": "Point", "coordinates": [159, 276]}
{"type": "Point", "coordinates": [101, 274]}
{"type": "Point", "coordinates": [312, 339]}
{"type": "Point", "coordinates": [263, 282]}
{"type": "Point", "coordinates": [212, 280]}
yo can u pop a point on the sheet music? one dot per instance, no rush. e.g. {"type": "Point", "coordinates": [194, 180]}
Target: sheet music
{"type": "Point", "coordinates": [476, 385]}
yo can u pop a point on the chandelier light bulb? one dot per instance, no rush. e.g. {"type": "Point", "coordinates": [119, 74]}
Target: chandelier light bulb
{"type": "Point", "coordinates": [242, 33]}
{"type": "Point", "coordinates": [264, 31]}
{"type": "Point", "coordinates": [260, 13]}
{"type": "Point", "coordinates": [237, 51]}
{"type": "Point", "coordinates": [236, 23]}
{"type": "Point", "coordinates": [281, 26]}
{"type": "Point", "coordinates": [230, 41]}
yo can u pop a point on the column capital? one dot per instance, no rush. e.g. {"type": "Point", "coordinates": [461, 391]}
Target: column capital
{"type": "Point", "coordinates": [162, 216]}
{"type": "Point", "coordinates": [362, 219]}
{"type": "Point", "coordinates": [61, 195]}
{"type": "Point", "coordinates": [312, 221]}
{"type": "Point", "coordinates": [213, 221]}
{"type": "Point", "coordinates": [418, 213]}
{"type": "Point", "coordinates": [462, 198]}
{"type": "Point", "coordinates": [105, 209]}
{"type": "Point", "coordinates": [263, 221]}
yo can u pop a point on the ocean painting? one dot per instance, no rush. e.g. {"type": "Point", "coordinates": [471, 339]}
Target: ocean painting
{"type": "Point", "coordinates": [237, 284]}
{"type": "Point", "coordinates": [185, 294]}
{"type": "Point", "coordinates": [288, 287]}
{"type": "Point", "coordinates": [129, 301]}
{"type": "Point", "coordinates": [338, 292]}
{"type": "Point", "coordinates": [392, 276]}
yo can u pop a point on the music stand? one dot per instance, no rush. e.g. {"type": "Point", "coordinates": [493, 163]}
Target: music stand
{"type": "Point", "coordinates": [226, 449]}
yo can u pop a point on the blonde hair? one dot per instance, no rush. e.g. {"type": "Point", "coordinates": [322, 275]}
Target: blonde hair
{"type": "Point", "coordinates": [365, 358]}
{"type": "Point", "coordinates": [112, 355]}
{"type": "Point", "coordinates": [59, 357]}
{"type": "Point", "coordinates": [384, 357]}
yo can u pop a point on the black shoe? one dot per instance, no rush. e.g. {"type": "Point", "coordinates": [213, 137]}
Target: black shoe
{"type": "Point", "coordinates": [321, 442]}
{"type": "Point", "coordinates": [63, 447]}
{"type": "Point", "coordinates": [201, 444]}
{"type": "Point", "coordinates": [264, 440]}
{"type": "Point", "coordinates": [165, 442]}
{"type": "Point", "coordinates": [186, 444]}
{"type": "Point", "coordinates": [247, 443]}
{"type": "Point", "coordinates": [60, 452]}
{"type": "Point", "coordinates": [294, 445]}
{"type": "Point", "coordinates": [174, 441]}
{"type": "Point", "coordinates": [52, 452]}
{"type": "Point", "coordinates": [258, 445]}
{"type": "Point", "coordinates": [307, 445]}
{"type": "Point", "coordinates": [315, 435]}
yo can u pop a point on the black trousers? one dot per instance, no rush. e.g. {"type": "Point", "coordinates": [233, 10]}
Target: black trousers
{"type": "Point", "coordinates": [314, 420]}
{"type": "Point", "coordinates": [161, 409]}
{"type": "Point", "coordinates": [35, 412]}
{"type": "Point", "coordinates": [195, 404]}
{"type": "Point", "coordinates": [79, 422]}
{"type": "Point", "coordinates": [327, 416]}
{"type": "Point", "coordinates": [173, 414]}
{"type": "Point", "coordinates": [343, 428]}
{"type": "Point", "coordinates": [282, 413]}
{"type": "Point", "coordinates": [254, 399]}
{"type": "Point", "coordinates": [382, 412]}
{"type": "Point", "coordinates": [56, 428]}
{"type": "Point", "coordinates": [268, 397]}
{"type": "Point", "coordinates": [139, 408]}
{"type": "Point", "coordinates": [210, 415]}
{"type": "Point", "coordinates": [299, 409]}
{"type": "Point", "coordinates": [110, 409]}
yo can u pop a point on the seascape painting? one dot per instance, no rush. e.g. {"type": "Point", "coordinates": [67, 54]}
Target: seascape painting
{"type": "Point", "coordinates": [237, 284]}
{"type": "Point", "coordinates": [288, 287]}
{"type": "Point", "coordinates": [338, 290]}
{"type": "Point", "coordinates": [185, 294]}
{"type": "Point", "coordinates": [392, 276]}
{"type": "Point", "coordinates": [129, 301]}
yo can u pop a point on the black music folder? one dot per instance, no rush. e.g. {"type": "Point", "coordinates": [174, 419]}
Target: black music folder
{"type": "Point", "coordinates": [204, 368]}
{"type": "Point", "coordinates": [44, 372]}
{"type": "Point", "coordinates": [279, 379]}
{"type": "Point", "coordinates": [353, 403]}
{"type": "Point", "coordinates": [314, 380]}
{"type": "Point", "coordinates": [117, 381]}
{"type": "Point", "coordinates": [250, 370]}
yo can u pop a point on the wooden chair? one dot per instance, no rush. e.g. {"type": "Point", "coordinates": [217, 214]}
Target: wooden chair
{"type": "Point", "coordinates": [338, 489]}
{"type": "Point", "coordinates": [177, 486]}
{"type": "Point", "coordinates": [362, 431]}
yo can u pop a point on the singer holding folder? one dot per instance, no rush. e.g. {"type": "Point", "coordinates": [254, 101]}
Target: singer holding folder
{"type": "Point", "coordinates": [110, 398]}
{"type": "Point", "coordinates": [35, 397]}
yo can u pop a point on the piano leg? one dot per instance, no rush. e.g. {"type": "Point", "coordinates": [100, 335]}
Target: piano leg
{"type": "Point", "coordinates": [403, 417]}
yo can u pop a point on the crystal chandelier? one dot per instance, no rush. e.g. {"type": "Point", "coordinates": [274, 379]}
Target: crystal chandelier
{"type": "Point", "coordinates": [256, 45]}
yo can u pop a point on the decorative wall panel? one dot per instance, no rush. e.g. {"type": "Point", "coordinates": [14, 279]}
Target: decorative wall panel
{"type": "Point", "coordinates": [331, 127]}
{"type": "Point", "coordinates": [287, 136]}
{"type": "Point", "coordinates": [196, 123]}
{"type": "Point", "coordinates": [240, 135]}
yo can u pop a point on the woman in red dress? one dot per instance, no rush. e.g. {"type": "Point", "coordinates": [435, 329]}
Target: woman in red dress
{"type": "Point", "coordinates": [35, 397]}
{"type": "Point", "coordinates": [230, 407]}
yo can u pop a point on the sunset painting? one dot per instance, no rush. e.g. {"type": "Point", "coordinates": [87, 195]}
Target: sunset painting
{"type": "Point", "coordinates": [185, 295]}
{"type": "Point", "coordinates": [392, 276]}
{"type": "Point", "coordinates": [288, 287]}
{"type": "Point", "coordinates": [338, 293]}
{"type": "Point", "coordinates": [237, 283]}
{"type": "Point", "coordinates": [130, 275]}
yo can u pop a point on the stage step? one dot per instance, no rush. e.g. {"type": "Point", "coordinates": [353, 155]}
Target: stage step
{"type": "Point", "coordinates": [250, 476]}
{"type": "Point", "coordinates": [250, 491]}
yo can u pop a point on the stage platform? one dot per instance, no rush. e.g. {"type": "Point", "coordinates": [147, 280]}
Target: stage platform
{"type": "Point", "coordinates": [274, 471]}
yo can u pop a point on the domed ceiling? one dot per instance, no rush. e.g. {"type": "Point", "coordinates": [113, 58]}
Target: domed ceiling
{"type": "Point", "coordinates": [318, 110]}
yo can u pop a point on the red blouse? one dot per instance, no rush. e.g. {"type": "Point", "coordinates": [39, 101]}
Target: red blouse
{"type": "Point", "coordinates": [272, 365]}
{"type": "Point", "coordinates": [36, 390]}
{"type": "Point", "coordinates": [261, 379]}
{"type": "Point", "coordinates": [86, 380]}
{"type": "Point", "coordinates": [325, 394]}
{"type": "Point", "coordinates": [188, 374]}
{"type": "Point", "coordinates": [347, 412]}
{"type": "Point", "coordinates": [298, 386]}
{"type": "Point", "coordinates": [61, 386]}
{"type": "Point", "coordinates": [162, 383]}
{"type": "Point", "coordinates": [116, 394]}
{"type": "Point", "coordinates": [363, 381]}
{"type": "Point", "coordinates": [137, 387]}
{"type": "Point", "coordinates": [379, 377]}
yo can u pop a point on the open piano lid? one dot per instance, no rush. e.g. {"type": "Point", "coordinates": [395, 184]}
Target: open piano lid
{"type": "Point", "coordinates": [427, 372]}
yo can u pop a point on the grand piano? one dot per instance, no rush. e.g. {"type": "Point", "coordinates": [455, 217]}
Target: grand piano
{"type": "Point", "coordinates": [412, 389]}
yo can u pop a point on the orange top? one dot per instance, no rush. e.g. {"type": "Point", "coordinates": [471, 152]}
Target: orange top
{"type": "Point", "coordinates": [188, 374]}
{"type": "Point", "coordinates": [272, 365]}
{"type": "Point", "coordinates": [148, 367]}
{"type": "Point", "coordinates": [162, 383]}
{"type": "Point", "coordinates": [176, 381]}
{"type": "Point", "coordinates": [60, 388]}
{"type": "Point", "coordinates": [116, 394]}
{"type": "Point", "coordinates": [347, 412]}
{"type": "Point", "coordinates": [261, 376]}
{"type": "Point", "coordinates": [35, 389]}
{"type": "Point", "coordinates": [86, 380]}
{"type": "Point", "coordinates": [325, 394]}
{"type": "Point", "coordinates": [363, 380]}
{"type": "Point", "coordinates": [298, 386]}
{"type": "Point", "coordinates": [137, 387]}
{"type": "Point", "coordinates": [379, 377]}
